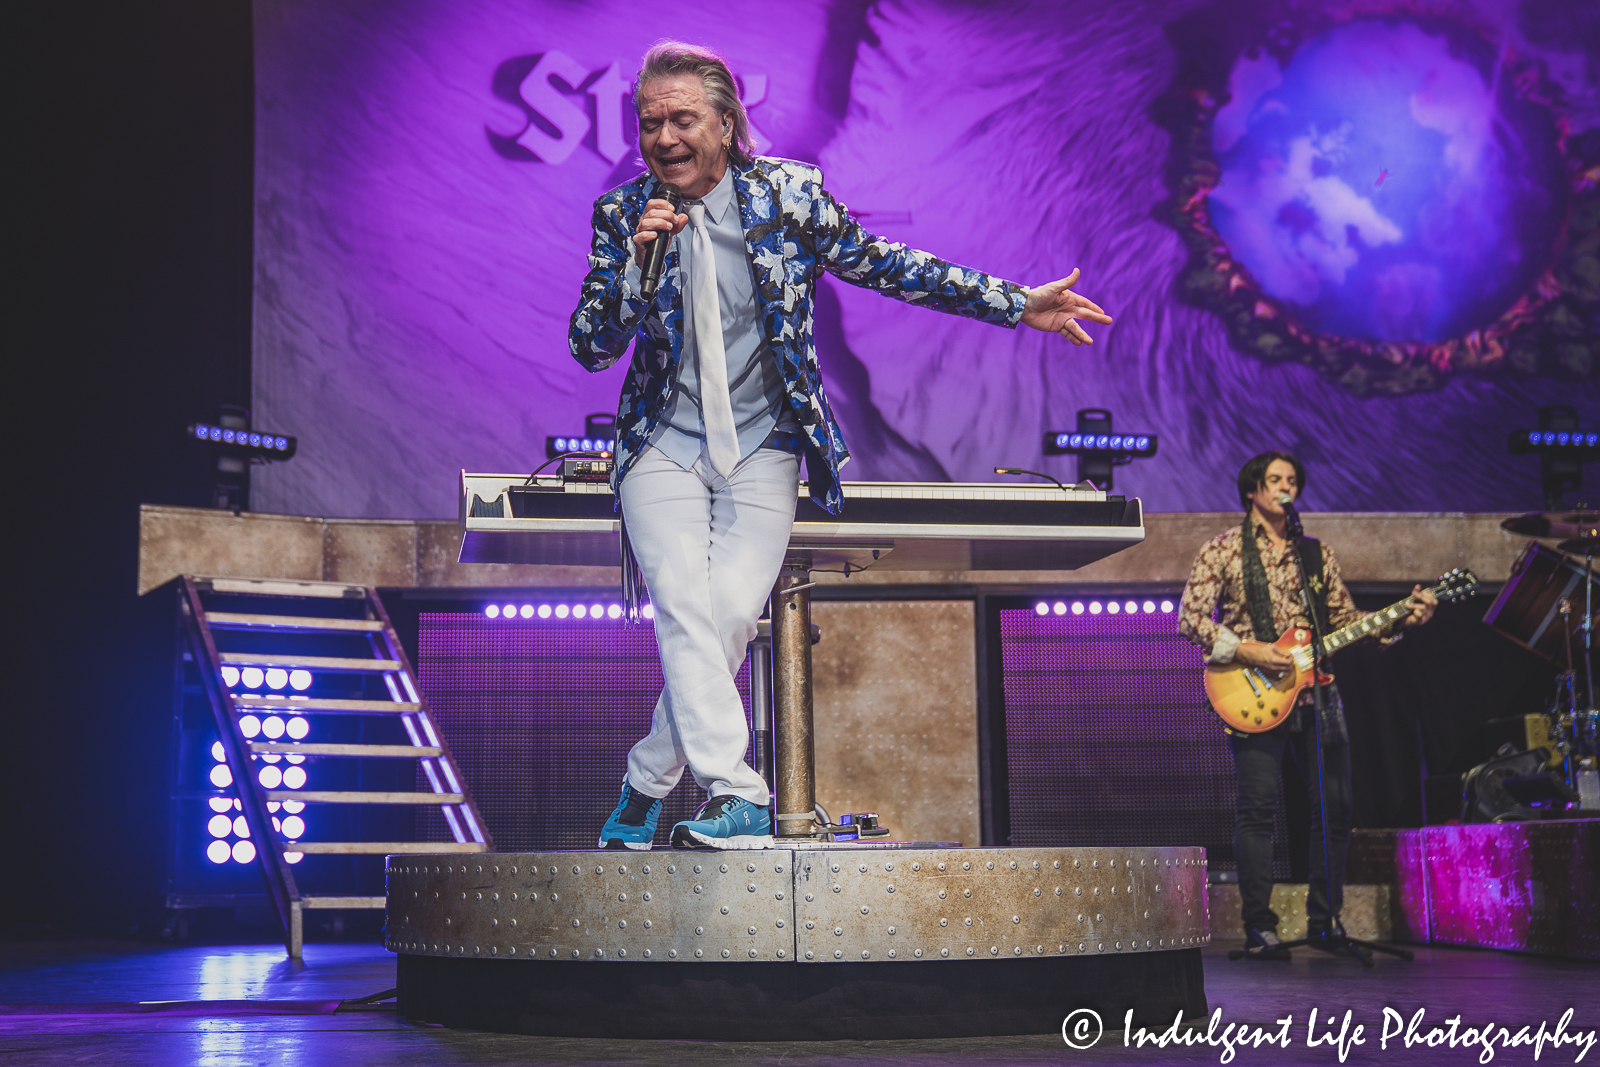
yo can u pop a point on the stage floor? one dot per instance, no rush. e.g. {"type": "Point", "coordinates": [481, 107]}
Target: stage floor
{"type": "Point", "coordinates": [82, 990]}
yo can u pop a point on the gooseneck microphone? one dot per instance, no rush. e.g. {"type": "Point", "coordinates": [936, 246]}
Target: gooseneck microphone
{"type": "Point", "coordinates": [1292, 524]}
{"type": "Point", "coordinates": [655, 254]}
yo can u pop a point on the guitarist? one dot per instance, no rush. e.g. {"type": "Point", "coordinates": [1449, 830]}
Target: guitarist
{"type": "Point", "coordinates": [1243, 593]}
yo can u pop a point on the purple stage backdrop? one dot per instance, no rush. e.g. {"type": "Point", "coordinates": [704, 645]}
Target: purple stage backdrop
{"type": "Point", "coordinates": [425, 173]}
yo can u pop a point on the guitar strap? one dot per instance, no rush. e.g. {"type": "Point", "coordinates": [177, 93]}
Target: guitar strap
{"type": "Point", "coordinates": [1259, 596]}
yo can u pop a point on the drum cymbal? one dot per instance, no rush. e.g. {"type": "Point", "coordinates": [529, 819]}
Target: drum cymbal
{"type": "Point", "coordinates": [1554, 524]}
{"type": "Point", "coordinates": [1579, 546]}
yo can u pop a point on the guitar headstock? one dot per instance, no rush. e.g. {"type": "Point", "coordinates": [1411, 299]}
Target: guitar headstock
{"type": "Point", "coordinates": [1455, 584]}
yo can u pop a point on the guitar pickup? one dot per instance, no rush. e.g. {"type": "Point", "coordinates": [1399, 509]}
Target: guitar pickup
{"type": "Point", "coordinates": [1247, 672]}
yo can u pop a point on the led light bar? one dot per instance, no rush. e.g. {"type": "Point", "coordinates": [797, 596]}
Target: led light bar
{"type": "Point", "coordinates": [558, 446]}
{"type": "Point", "coordinates": [1073, 443]}
{"type": "Point", "coordinates": [1575, 443]}
{"type": "Point", "coordinates": [246, 442]}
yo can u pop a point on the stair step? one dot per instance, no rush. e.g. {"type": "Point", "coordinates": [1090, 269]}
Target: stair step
{"type": "Point", "coordinates": [327, 707]}
{"type": "Point", "coordinates": [281, 587]}
{"type": "Point", "coordinates": [383, 848]}
{"type": "Point", "coordinates": [324, 796]}
{"type": "Point", "coordinates": [328, 903]}
{"type": "Point", "coordinates": [232, 620]}
{"type": "Point", "coordinates": [320, 663]}
{"type": "Point", "coordinates": [323, 749]}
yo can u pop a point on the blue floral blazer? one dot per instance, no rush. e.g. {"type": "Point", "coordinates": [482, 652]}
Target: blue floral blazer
{"type": "Point", "coordinates": [794, 231]}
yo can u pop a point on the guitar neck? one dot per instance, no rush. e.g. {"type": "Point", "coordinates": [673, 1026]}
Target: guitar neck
{"type": "Point", "coordinates": [1367, 627]}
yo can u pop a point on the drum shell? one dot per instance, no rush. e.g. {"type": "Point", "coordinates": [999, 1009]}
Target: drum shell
{"type": "Point", "coordinates": [1528, 607]}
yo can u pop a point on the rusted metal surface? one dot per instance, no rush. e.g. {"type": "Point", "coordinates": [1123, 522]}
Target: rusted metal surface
{"type": "Point", "coordinates": [708, 906]}
{"type": "Point", "coordinates": [795, 789]}
{"type": "Point", "coordinates": [814, 905]}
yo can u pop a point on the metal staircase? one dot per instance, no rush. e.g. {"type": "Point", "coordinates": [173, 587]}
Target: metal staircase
{"type": "Point", "coordinates": [334, 642]}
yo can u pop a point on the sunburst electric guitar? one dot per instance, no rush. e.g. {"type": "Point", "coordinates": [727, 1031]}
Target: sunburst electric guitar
{"type": "Point", "coordinates": [1253, 700]}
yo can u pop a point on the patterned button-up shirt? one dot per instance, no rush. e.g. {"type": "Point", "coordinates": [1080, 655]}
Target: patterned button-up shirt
{"type": "Point", "coordinates": [1216, 588]}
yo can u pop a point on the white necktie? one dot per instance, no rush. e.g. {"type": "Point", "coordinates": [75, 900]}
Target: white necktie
{"type": "Point", "coordinates": [716, 407]}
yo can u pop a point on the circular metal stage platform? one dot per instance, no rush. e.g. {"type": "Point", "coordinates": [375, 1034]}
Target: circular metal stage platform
{"type": "Point", "coordinates": [828, 940]}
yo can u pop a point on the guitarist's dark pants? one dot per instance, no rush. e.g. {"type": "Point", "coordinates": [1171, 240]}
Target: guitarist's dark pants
{"type": "Point", "coordinates": [1258, 759]}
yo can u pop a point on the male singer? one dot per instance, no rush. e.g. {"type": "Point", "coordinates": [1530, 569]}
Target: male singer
{"type": "Point", "coordinates": [722, 399]}
{"type": "Point", "coordinates": [1250, 579]}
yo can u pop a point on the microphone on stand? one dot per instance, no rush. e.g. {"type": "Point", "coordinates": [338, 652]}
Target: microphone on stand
{"type": "Point", "coordinates": [655, 256]}
{"type": "Point", "coordinates": [1292, 517]}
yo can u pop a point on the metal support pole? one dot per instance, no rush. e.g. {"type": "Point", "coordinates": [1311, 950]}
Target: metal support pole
{"type": "Point", "coordinates": [796, 799]}
{"type": "Point", "coordinates": [761, 705]}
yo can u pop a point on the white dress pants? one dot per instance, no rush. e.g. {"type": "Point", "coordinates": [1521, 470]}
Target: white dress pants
{"type": "Point", "coordinates": [710, 550]}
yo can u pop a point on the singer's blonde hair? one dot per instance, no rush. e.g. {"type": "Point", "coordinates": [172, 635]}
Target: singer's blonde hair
{"type": "Point", "coordinates": [668, 58]}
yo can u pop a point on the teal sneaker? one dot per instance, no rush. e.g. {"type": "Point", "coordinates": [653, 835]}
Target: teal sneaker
{"type": "Point", "coordinates": [633, 823]}
{"type": "Point", "coordinates": [725, 822]}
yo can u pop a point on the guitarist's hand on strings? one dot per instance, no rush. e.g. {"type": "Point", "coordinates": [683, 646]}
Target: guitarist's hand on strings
{"type": "Point", "coordinates": [1262, 655]}
{"type": "Point", "coordinates": [1423, 604]}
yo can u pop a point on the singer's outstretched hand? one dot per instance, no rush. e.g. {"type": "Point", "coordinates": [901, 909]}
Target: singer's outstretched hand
{"type": "Point", "coordinates": [658, 217]}
{"type": "Point", "coordinates": [1054, 308]}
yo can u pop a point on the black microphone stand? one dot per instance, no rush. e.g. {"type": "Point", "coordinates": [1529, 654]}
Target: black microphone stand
{"type": "Point", "coordinates": [1333, 939]}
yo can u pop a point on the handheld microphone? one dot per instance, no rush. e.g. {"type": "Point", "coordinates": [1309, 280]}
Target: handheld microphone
{"type": "Point", "coordinates": [655, 256]}
{"type": "Point", "coordinates": [1292, 524]}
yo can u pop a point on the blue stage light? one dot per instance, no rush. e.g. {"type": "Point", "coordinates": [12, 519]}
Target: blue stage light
{"type": "Point", "coordinates": [1533, 437]}
{"type": "Point", "coordinates": [252, 677]}
{"type": "Point", "coordinates": [293, 827]}
{"type": "Point", "coordinates": [648, 611]}
{"type": "Point", "coordinates": [202, 432]}
{"type": "Point", "coordinates": [294, 777]}
{"type": "Point", "coordinates": [1116, 441]}
{"type": "Point", "coordinates": [243, 852]}
{"type": "Point", "coordinates": [562, 611]}
{"type": "Point", "coordinates": [272, 727]}
{"type": "Point", "coordinates": [220, 776]}
{"type": "Point", "coordinates": [1141, 443]}
{"type": "Point", "coordinates": [269, 777]}
{"type": "Point", "coordinates": [561, 444]}
{"type": "Point", "coordinates": [1103, 441]}
{"type": "Point", "coordinates": [1077, 607]}
{"type": "Point", "coordinates": [580, 611]}
{"type": "Point", "coordinates": [1041, 608]}
{"type": "Point", "coordinates": [230, 676]}
{"type": "Point", "coordinates": [281, 443]}
{"type": "Point", "coordinates": [1563, 438]}
{"type": "Point", "coordinates": [509, 611]}
{"type": "Point", "coordinates": [277, 678]}
{"type": "Point", "coordinates": [614, 611]}
{"type": "Point", "coordinates": [544, 611]}
{"type": "Point", "coordinates": [249, 725]}
{"type": "Point", "coordinates": [255, 440]}
{"type": "Point", "coordinates": [1075, 441]}
{"type": "Point", "coordinates": [218, 852]}
{"type": "Point", "coordinates": [215, 433]}
{"type": "Point", "coordinates": [297, 728]}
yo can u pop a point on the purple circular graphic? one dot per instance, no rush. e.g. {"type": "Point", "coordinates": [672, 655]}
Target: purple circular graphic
{"type": "Point", "coordinates": [1387, 183]}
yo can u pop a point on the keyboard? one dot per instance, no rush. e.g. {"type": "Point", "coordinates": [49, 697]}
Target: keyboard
{"type": "Point", "coordinates": [509, 518]}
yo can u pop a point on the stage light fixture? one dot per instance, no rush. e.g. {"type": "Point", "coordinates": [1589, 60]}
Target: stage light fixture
{"type": "Point", "coordinates": [1077, 607]}
{"type": "Point", "coordinates": [297, 728]}
{"type": "Point", "coordinates": [220, 803]}
{"type": "Point", "coordinates": [1097, 447]}
{"type": "Point", "coordinates": [562, 611]}
{"type": "Point", "coordinates": [240, 827]}
{"type": "Point", "coordinates": [1131, 607]}
{"type": "Point", "coordinates": [252, 677]}
{"type": "Point", "coordinates": [1563, 447]}
{"type": "Point", "coordinates": [614, 611]}
{"type": "Point", "coordinates": [249, 725]}
{"type": "Point", "coordinates": [272, 727]}
{"type": "Point", "coordinates": [1113, 607]}
{"type": "Point", "coordinates": [1166, 607]}
{"type": "Point", "coordinates": [526, 611]}
{"type": "Point", "coordinates": [277, 678]}
{"type": "Point", "coordinates": [295, 757]}
{"type": "Point", "coordinates": [218, 852]}
{"type": "Point", "coordinates": [269, 777]}
{"type": "Point", "coordinates": [294, 777]}
{"type": "Point", "coordinates": [1095, 608]}
{"type": "Point", "coordinates": [217, 753]}
{"type": "Point", "coordinates": [250, 443]}
{"type": "Point", "coordinates": [243, 852]}
{"type": "Point", "coordinates": [1041, 609]}
{"type": "Point", "coordinates": [1060, 608]}
{"type": "Point", "coordinates": [648, 611]}
{"type": "Point", "coordinates": [599, 435]}
{"type": "Point", "coordinates": [293, 857]}
{"type": "Point", "coordinates": [544, 611]}
{"type": "Point", "coordinates": [294, 807]}
{"type": "Point", "coordinates": [300, 680]}
{"type": "Point", "coordinates": [273, 806]}
{"type": "Point", "coordinates": [277, 825]}
{"type": "Point", "coordinates": [220, 826]}
{"type": "Point", "coordinates": [293, 827]}
{"type": "Point", "coordinates": [492, 611]}
{"type": "Point", "coordinates": [271, 757]}
{"type": "Point", "coordinates": [230, 676]}
{"type": "Point", "coordinates": [1149, 607]}
{"type": "Point", "coordinates": [221, 777]}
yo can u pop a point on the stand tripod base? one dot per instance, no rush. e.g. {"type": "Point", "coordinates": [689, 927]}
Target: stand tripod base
{"type": "Point", "coordinates": [1337, 945]}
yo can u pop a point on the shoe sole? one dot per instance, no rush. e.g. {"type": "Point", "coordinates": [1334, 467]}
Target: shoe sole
{"type": "Point", "coordinates": [613, 843]}
{"type": "Point", "coordinates": [685, 838]}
